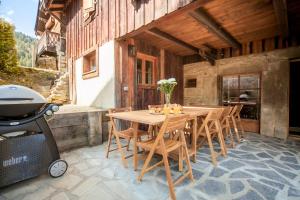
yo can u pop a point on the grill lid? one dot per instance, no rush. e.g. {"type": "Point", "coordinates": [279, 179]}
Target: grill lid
{"type": "Point", "coordinates": [18, 102]}
{"type": "Point", "coordinates": [16, 94]}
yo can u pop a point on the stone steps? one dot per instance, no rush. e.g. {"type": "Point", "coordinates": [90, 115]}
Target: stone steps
{"type": "Point", "coordinates": [60, 91]}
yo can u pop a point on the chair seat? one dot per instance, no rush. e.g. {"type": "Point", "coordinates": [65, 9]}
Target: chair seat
{"type": "Point", "coordinates": [212, 131]}
{"type": "Point", "coordinates": [171, 145]}
{"type": "Point", "coordinates": [128, 133]}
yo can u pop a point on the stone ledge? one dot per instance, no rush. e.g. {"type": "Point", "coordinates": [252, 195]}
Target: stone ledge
{"type": "Point", "coordinates": [77, 126]}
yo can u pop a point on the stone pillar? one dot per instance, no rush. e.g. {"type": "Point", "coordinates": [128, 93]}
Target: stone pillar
{"type": "Point", "coordinates": [95, 128]}
{"type": "Point", "coordinates": [275, 99]}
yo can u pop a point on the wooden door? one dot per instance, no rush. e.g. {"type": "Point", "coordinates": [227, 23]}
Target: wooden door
{"type": "Point", "coordinates": [146, 78]}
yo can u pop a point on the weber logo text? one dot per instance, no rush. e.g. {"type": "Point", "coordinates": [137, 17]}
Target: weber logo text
{"type": "Point", "coordinates": [14, 161]}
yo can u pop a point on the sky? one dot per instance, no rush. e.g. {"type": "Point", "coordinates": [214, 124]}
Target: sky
{"type": "Point", "coordinates": [21, 13]}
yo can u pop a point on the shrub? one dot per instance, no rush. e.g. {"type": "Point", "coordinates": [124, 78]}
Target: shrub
{"type": "Point", "coordinates": [8, 52]}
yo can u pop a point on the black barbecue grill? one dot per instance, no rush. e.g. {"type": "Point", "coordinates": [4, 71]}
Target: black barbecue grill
{"type": "Point", "coordinates": [27, 146]}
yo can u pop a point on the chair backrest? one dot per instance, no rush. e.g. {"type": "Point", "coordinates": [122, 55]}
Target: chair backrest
{"type": "Point", "coordinates": [212, 116]}
{"type": "Point", "coordinates": [172, 123]}
{"type": "Point", "coordinates": [155, 106]}
{"type": "Point", "coordinates": [238, 110]}
{"type": "Point", "coordinates": [233, 111]}
{"type": "Point", "coordinates": [116, 110]}
{"type": "Point", "coordinates": [175, 123]}
{"type": "Point", "coordinates": [226, 112]}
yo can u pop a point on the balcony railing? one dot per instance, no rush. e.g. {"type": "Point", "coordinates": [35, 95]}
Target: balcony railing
{"type": "Point", "coordinates": [47, 43]}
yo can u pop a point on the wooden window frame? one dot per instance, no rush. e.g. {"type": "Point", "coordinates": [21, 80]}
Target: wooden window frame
{"type": "Point", "coordinates": [93, 73]}
{"type": "Point", "coordinates": [144, 58]}
{"type": "Point", "coordinates": [188, 81]}
{"type": "Point", "coordinates": [239, 89]}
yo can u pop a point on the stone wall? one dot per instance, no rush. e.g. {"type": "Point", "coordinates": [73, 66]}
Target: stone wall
{"type": "Point", "coordinates": [74, 127]}
{"type": "Point", "coordinates": [274, 69]}
{"type": "Point", "coordinates": [46, 62]}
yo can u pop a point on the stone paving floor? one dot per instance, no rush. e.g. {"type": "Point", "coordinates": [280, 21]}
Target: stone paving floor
{"type": "Point", "coordinates": [260, 168]}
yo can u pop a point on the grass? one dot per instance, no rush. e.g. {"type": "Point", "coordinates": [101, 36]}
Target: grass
{"type": "Point", "coordinates": [28, 77]}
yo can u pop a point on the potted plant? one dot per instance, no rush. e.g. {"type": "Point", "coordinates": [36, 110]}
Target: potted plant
{"type": "Point", "coordinates": [167, 86]}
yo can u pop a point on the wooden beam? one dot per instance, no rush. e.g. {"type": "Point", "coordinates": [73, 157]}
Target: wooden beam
{"type": "Point", "coordinates": [205, 19]}
{"type": "Point", "coordinates": [163, 35]}
{"type": "Point", "coordinates": [59, 2]}
{"type": "Point", "coordinates": [280, 9]}
{"type": "Point", "coordinates": [56, 17]}
{"type": "Point", "coordinates": [56, 9]}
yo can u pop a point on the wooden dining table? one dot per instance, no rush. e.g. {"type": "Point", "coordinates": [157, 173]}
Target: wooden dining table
{"type": "Point", "coordinates": [145, 117]}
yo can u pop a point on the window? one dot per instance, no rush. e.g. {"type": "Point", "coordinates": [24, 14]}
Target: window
{"type": "Point", "coordinates": [191, 83]}
{"type": "Point", "coordinates": [90, 65]}
{"type": "Point", "coordinates": [145, 69]}
{"type": "Point", "coordinates": [243, 89]}
{"type": "Point", "coordinates": [89, 10]}
{"type": "Point", "coordinates": [139, 71]}
{"type": "Point", "coordinates": [149, 72]}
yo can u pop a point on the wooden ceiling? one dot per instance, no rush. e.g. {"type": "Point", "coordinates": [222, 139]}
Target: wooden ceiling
{"type": "Point", "coordinates": [244, 20]}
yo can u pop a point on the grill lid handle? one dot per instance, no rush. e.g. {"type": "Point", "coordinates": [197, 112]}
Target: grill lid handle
{"type": "Point", "coordinates": [16, 99]}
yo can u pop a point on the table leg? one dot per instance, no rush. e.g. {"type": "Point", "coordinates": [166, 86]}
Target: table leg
{"type": "Point", "coordinates": [194, 139]}
{"type": "Point", "coordinates": [135, 126]}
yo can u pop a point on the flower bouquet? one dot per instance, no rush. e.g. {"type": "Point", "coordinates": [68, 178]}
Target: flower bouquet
{"type": "Point", "coordinates": [167, 86]}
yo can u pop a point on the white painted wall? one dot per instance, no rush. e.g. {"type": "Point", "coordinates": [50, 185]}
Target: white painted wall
{"type": "Point", "coordinates": [98, 91]}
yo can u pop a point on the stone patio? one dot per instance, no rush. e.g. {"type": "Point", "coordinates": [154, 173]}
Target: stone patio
{"type": "Point", "coordinates": [260, 168]}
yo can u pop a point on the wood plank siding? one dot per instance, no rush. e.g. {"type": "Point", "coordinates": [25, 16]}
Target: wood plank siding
{"type": "Point", "coordinates": [113, 19]}
{"type": "Point", "coordinates": [168, 65]}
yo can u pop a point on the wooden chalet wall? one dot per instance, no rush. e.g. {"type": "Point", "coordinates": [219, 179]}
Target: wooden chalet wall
{"type": "Point", "coordinates": [113, 19]}
{"type": "Point", "coordinates": [174, 69]}
{"type": "Point", "coordinates": [168, 64]}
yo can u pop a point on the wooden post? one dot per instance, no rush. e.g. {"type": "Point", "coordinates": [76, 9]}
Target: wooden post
{"type": "Point", "coordinates": [280, 9]}
{"type": "Point", "coordinates": [118, 75]}
{"type": "Point", "coordinates": [131, 78]}
{"type": "Point", "coordinates": [162, 72]}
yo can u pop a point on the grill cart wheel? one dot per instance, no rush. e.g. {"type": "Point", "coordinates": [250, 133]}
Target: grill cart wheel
{"type": "Point", "coordinates": [57, 168]}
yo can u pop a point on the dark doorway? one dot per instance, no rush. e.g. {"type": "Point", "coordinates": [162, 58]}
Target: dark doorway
{"type": "Point", "coordinates": [294, 98]}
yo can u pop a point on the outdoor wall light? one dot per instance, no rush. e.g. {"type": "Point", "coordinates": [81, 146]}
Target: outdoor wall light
{"type": "Point", "coordinates": [131, 50]}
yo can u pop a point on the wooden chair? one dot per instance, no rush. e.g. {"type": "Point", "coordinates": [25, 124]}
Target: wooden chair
{"type": "Point", "coordinates": [153, 130]}
{"type": "Point", "coordinates": [121, 134]}
{"type": "Point", "coordinates": [211, 128]}
{"type": "Point", "coordinates": [164, 146]}
{"type": "Point", "coordinates": [237, 117]}
{"type": "Point", "coordinates": [225, 125]}
{"type": "Point", "coordinates": [235, 120]}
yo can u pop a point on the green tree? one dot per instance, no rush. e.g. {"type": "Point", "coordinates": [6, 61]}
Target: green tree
{"type": "Point", "coordinates": [25, 44]}
{"type": "Point", "coordinates": [8, 52]}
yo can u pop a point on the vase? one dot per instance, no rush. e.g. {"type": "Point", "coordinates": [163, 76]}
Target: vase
{"type": "Point", "coordinates": [168, 98]}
